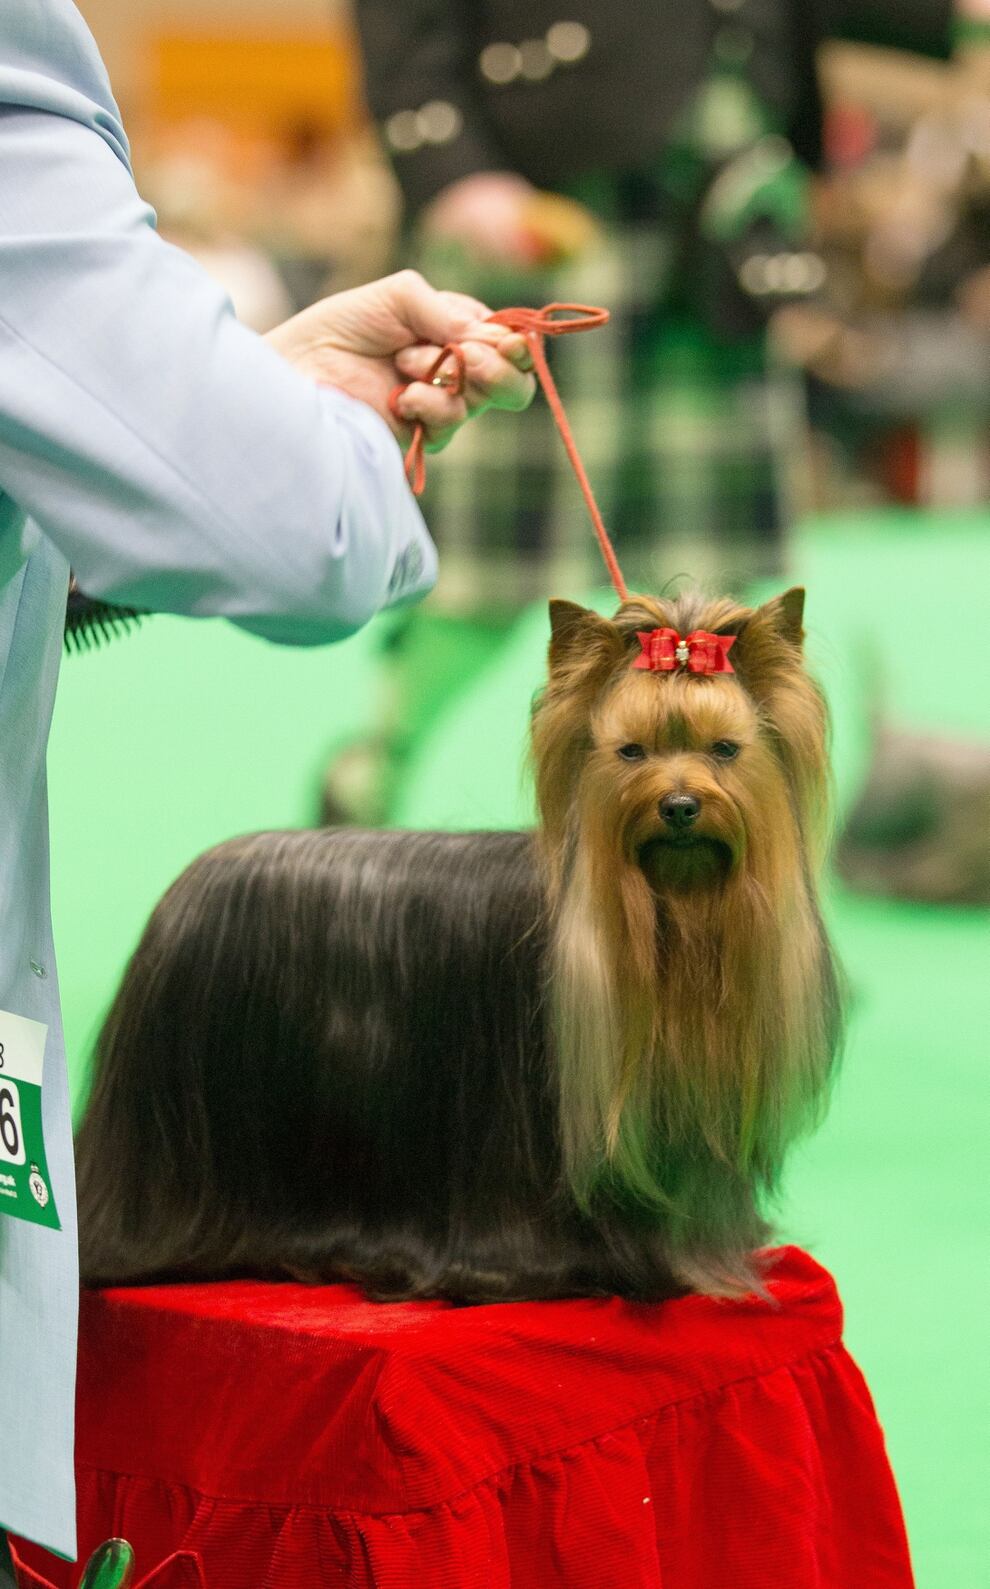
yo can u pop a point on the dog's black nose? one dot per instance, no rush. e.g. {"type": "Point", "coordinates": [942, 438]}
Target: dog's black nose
{"type": "Point", "coordinates": [680, 810]}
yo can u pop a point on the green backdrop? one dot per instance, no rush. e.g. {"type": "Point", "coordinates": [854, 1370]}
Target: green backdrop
{"type": "Point", "coordinates": [186, 733]}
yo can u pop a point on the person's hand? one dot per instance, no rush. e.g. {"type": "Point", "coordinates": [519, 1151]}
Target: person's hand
{"type": "Point", "coordinates": [485, 214]}
{"type": "Point", "coordinates": [499, 219]}
{"type": "Point", "coordinates": [371, 339]}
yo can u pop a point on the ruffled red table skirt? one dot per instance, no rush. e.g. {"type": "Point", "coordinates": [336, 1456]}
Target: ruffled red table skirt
{"type": "Point", "coordinates": [250, 1436]}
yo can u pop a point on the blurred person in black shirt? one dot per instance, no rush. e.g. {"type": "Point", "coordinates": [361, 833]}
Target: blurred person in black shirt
{"type": "Point", "coordinates": [655, 158]}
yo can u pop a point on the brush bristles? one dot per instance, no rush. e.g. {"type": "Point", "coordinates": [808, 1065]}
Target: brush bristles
{"type": "Point", "coordinates": [695, 1011]}
{"type": "Point", "coordinates": [90, 623]}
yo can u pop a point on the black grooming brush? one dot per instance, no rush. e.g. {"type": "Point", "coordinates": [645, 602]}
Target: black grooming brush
{"type": "Point", "coordinates": [88, 622]}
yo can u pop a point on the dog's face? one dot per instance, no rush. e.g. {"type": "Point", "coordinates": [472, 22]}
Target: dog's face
{"type": "Point", "coordinates": [673, 764]}
{"type": "Point", "coordinates": [686, 776]}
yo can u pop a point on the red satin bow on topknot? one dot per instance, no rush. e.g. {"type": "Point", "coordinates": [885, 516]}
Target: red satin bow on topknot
{"type": "Point", "coordinates": [663, 650]}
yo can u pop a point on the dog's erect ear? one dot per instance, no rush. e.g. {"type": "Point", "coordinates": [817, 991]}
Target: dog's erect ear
{"type": "Point", "coordinates": [784, 615]}
{"type": "Point", "coordinates": [564, 615]}
{"type": "Point", "coordinates": [579, 633]}
{"type": "Point", "coordinates": [768, 640]}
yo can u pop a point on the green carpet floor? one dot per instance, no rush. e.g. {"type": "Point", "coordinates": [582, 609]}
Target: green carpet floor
{"type": "Point", "coordinates": [186, 733]}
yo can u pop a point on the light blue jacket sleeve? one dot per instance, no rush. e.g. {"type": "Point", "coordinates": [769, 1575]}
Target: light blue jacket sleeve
{"type": "Point", "coordinates": [176, 460]}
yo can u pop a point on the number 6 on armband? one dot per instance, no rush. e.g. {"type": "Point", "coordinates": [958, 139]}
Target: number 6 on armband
{"type": "Point", "coordinates": [11, 1134]}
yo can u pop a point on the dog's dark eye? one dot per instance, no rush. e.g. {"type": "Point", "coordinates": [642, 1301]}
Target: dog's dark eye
{"type": "Point", "coordinates": [725, 750]}
{"type": "Point", "coordinates": [632, 752]}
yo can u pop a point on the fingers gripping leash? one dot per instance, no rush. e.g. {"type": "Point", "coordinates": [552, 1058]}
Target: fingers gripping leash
{"type": "Point", "coordinates": [449, 369]}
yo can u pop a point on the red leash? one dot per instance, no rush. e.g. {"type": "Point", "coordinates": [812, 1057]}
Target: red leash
{"type": "Point", "coordinates": [534, 325]}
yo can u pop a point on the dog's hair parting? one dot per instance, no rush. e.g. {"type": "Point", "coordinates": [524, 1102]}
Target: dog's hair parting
{"type": "Point", "coordinates": [695, 996]}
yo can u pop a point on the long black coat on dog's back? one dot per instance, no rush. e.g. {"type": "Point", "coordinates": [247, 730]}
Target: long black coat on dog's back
{"type": "Point", "coordinates": [328, 1057]}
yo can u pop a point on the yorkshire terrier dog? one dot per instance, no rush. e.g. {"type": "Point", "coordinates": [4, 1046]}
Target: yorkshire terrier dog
{"type": "Point", "coordinates": [680, 757]}
{"type": "Point", "coordinates": [488, 1066]}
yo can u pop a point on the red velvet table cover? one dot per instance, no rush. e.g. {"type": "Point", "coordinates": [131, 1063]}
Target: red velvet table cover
{"type": "Point", "coordinates": [256, 1436]}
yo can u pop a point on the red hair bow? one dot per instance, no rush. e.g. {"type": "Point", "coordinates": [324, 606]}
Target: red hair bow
{"type": "Point", "coordinates": [663, 650]}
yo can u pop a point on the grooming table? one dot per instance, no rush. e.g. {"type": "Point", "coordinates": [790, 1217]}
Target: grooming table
{"type": "Point", "coordinates": [258, 1436]}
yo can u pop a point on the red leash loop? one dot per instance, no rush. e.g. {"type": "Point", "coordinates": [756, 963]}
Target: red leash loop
{"type": "Point", "coordinates": [416, 456]}
{"type": "Point", "coordinates": [555, 320]}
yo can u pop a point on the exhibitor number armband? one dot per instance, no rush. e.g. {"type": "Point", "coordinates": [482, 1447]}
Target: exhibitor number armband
{"type": "Point", "coordinates": [25, 1187]}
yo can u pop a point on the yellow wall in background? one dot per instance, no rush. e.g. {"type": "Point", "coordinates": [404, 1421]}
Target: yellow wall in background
{"type": "Point", "coordinates": [129, 32]}
{"type": "Point", "coordinates": [260, 82]}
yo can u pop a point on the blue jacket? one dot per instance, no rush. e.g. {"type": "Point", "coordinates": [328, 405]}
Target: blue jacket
{"type": "Point", "coordinates": [177, 463]}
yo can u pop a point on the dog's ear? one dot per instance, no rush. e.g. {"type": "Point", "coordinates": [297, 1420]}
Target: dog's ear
{"type": "Point", "coordinates": [784, 615]}
{"type": "Point", "coordinates": [768, 639]}
{"type": "Point", "coordinates": [580, 634]}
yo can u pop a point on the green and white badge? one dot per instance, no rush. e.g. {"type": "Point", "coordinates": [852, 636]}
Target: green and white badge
{"type": "Point", "coordinates": [25, 1190]}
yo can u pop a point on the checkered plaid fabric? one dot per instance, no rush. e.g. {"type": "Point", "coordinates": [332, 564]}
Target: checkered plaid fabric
{"type": "Point", "coordinates": [689, 443]}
